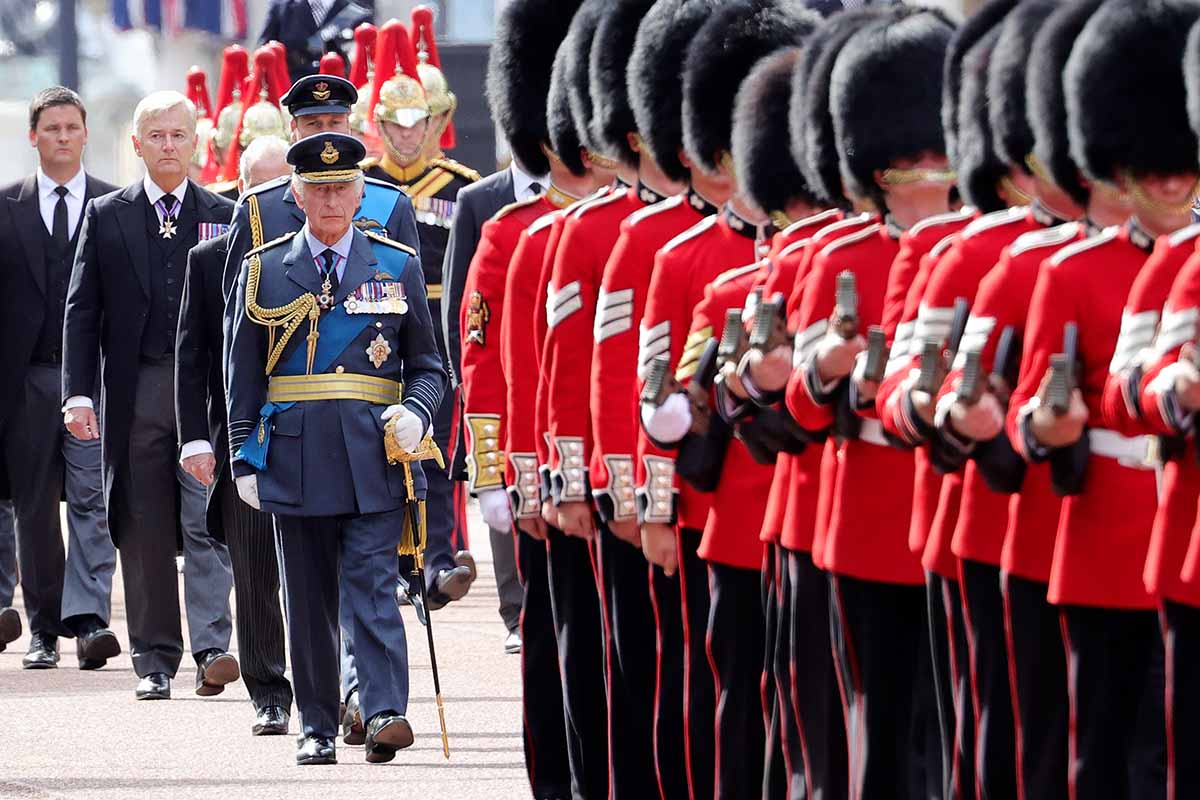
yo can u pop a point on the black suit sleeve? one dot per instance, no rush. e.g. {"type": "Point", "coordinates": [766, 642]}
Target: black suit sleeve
{"type": "Point", "coordinates": [191, 351]}
{"type": "Point", "coordinates": [84, 311]}
{"type": "Point", "coordinates": [271, 28]}
{"type": "Point", "coordinates": [460, 249]}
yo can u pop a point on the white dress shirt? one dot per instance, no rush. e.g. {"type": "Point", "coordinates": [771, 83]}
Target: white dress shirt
{"type": "Point", "coordinates": [154, 193]}
{"type": "Point", "coordinates": [48, 199]}
{"type": "Point", "coordinates": [523, 182]}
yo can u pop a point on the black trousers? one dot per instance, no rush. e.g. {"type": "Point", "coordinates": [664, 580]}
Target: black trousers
{"type": "Point", "coordinates": [883, 666]}
{"type": "Point", "coordinates": [546, 759]}
{"type": "Point", "coordinates": [631, 666]}
{"type": "Point", "coordinates": [1038, 677]}
{"type": "Point", "coordinates": [995, 754]}
{"type": "Point", "coordinates": [1116, 685]}
{"type": "Point", "coordinates": [699, 689]}
{"type": "Point", "coordinates": [250, 536]}
{"type": "Point", "coordinates": [775, 766]}
{"type": "Point", "coordinates": [1181, 638]}
{"type": "Point", "coordinates": [949, 655]}
{"type": "Point", "coordinates": [670, 753]}
{"type": "Point", "coordinates": [735, 647]}
{"type": "Point", "coordinates": [575, 605]}
{"type": "Point", "coordinates": [815, 698]}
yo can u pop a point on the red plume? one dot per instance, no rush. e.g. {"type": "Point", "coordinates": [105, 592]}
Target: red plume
{"type": "Point", "coordinates": [197, 92]}
{"type": "Point", "coordinates": [364, 52]}
{"type": "Point", "coordinates": [333, 64]}
{"type": "Point", "coordinates": [235, 66]}
{"type": "Point", "coordinates": [263, 77]}
{"type": "Point", "coordinates": [423, 34]}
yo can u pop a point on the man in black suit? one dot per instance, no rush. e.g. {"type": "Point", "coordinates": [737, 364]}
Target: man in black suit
{"type": "Point", "coordinates": [200, 408]}
{"type": "Point", "coordinates": [67, 593]}
{"type": "Point", "coordinates": [122, 306]}
{"type": "Point", "coordinates": [306, 26]}
{"type": "Point", "coordinates": [476, 204]}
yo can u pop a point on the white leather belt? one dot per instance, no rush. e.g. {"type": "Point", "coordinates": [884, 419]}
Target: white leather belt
{"type": "Point", "coordinates": [1135, 452]}
{"type": "Point", "coordinates": [872, 433]}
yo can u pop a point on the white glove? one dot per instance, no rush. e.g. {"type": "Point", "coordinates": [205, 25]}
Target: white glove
{"type": "Point", "coordinates": [247, 487]}
{"type": "Point", "coordinates": [408, 429]}
{"type": "Point", "coordinates": [493, 506]}
{"type": "Point", "coordinates": [669, 422]}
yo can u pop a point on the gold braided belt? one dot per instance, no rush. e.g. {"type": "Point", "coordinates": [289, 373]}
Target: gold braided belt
{"type": "Point", "coordinates": [332, 386]}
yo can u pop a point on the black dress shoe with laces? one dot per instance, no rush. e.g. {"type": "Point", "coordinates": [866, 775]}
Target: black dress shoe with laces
{"type": "Point", "coordinates": [353, 730]}
{"type": "Point", "coordinates": [387, 732]}
{"type": "Point", "coordinates": [10, 626]}
{"type": "Point", "coordinates": [155, 686]}
{"type": "Point", "coordinates": [271, 721]}
{"type": "Point", "coordinates": [43, 652]}
{"type": "Point", "coordinates": [214, 669]}
{"type": "Point", "coordinates": [95, 645]}
{"type": "Point", "coordinates": [316, 750]}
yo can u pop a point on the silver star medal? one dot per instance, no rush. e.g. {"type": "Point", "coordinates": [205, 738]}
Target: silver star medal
{"type": "Point", "coordinates": [167, 229]}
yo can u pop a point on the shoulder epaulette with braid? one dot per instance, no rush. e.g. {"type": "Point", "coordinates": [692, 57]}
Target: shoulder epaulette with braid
{"type": "Point", "coordinates": [461, 170]}
{"type": "Point", "coordinates": [1050, 237]}
{"type": "Point", "coordinates": [732, 274]}
{"type": "Point", "coordinates": [375, 237]}
{"type": "Point", "coordinates": [691, 233]}
{"type": "Point", "coordinates": [272, 243]}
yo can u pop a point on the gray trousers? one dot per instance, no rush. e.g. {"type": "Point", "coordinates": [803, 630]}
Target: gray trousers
{"type": "Point", "coordinates": [8, 554]}
{"type": "Point", "coordinates": [153, 493]}
{"type": "Point", "coordinates": [508, 583]}
{"type": "Point", "coordinates": [327, 561]}
{"type": "Point", "coordinates": [45, 463]}
{"type": "Point", "coordinates": [250, 536]}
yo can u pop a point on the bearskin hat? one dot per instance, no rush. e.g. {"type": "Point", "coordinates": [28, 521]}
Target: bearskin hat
{"type": "Point", "coordinates": [655, 77]}
{"type": "Point", "coordinates": [1191, 72]}
{"type": "Point", "coordinates": [809, 120]}
{"type": "Point", "coordinates": [979, 165]}
{"type": "Point", "coordinates": [518, 74]}
{"type": "Point", "coordinates": [731, 42]}
{"type": "Point", "coordinates": [989, 16]}
{"type": "Point", "coordinates": [612, 117]}
{"type": "Point", "coordinates": [1126, 100]}
{"type": "Point", "coordinates": [577, 69]}
{"type": "Point", "coordinates": [564, 139]}
{"type": "Point", "coordinates": [885, 94]}
{"type": "Point", "coordinates": [761, 148]}
{"type": "Point", "coordinates": [1044, 95]}
{"type": "Point", "coordinates": [1007, 113]}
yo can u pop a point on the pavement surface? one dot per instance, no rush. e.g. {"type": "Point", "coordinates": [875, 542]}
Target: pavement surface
{"type": "Point", "coordinates": [71, 734]}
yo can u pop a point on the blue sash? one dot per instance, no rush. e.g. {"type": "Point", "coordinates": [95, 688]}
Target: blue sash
{"type": "Point", "coordinates": [377, 205]}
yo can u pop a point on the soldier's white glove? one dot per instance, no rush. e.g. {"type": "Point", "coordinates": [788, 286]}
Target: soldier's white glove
{"type": "Point", "coordinates": [493, 506]}
{"type": "Point", "coordinates": [671, 421]}
{"type": "Point", "coordinates": [408, 429]}
{"type": "Point", "coordinates": [247, 488]}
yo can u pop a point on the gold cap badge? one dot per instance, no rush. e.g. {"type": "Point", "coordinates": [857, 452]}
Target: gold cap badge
{"type": "Point", "coordinates": [321, 91]}
{"type": "Point", "coordinates": [330, 154]}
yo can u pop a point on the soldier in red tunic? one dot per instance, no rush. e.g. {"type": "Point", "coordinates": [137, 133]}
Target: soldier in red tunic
{"type": "Point", "coordinates": [1113, 643]}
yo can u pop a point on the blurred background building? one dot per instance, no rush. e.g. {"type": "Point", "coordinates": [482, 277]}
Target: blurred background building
{"type": "Point", "coordinates": [116, 51]}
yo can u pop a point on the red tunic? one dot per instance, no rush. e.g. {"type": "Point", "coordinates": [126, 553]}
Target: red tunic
{"type": "Point", "coordinates": [1104, 531]}
{"type": "Point", "coordinates": [619, 309]}
{"type": "Point", "coordinates": [682, 269]}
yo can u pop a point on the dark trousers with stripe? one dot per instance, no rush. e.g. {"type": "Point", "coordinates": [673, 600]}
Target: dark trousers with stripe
{"type": "Point", "coordinates": [631, 663]}
{"type": "Point", "coordinates": [1181, 638]}
{"type": "Point", "coordinates": [699, 690]}
{"type": "Point", "coordinates": [995, 755]}
{"type": "Point", "coordinates": [883, 667]}
{"type": "Point", "coordinates": [576, 607]}
{"type": "Point", "coordinates": [670, 751]}
{"type": "Point", "coordinates": [1038, 678]}
{"type": "Point", "coordinates": [735, 647]}
{"type": "Point", "coordinates": [250, 537]}
{"type": "Point", "coordinates": [949, 657]}
{"type": "Point", "coordinates": [546, 759]}
{"type": "Point", "coordinates": [1116, 685]}
{"type": "Point", "coordinates": [775, 766]}
{"type": "Point", "coordinates": [820, 725]}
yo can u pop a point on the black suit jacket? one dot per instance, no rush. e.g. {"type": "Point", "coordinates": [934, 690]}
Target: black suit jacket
{"type": "Point", "coordinates": [108, 304]}
{"type": "Point", "coordinates": [199, 383]}
{"type": "Point", "coordinates": [291, 22]}
{"type": "Point", "coordinates": [23, 286]}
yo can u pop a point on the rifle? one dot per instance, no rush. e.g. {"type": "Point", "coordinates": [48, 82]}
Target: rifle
{"type": "Point", "coordinates": [1005, 366]}
{"type": "Point", "coordinates": [877, 354]}
{"type": "Point", "coordinates": [770, 326]}
{"type": "Point", "coordinates": [730, 347]}
{"type": "Point", "coordinates": [958, 326]}
{"type": "Point", "coordinates": [1062, 372]}
{"type": "Point", "coordinates": [929, 378]}
{"type": "Point", "coordinates": [972, 386]}
{"type": "Point", "coordinates": [845, 307]}
{"type": "Point", "coordinates": [660, 383]}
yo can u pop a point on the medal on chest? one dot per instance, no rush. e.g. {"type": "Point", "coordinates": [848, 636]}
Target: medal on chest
{"type": "Point", "coordinates": [379, 350]}
{"type": "Point", "coordinates": [325, 298]}
{"type": "Point", "coordinates": [167, 229]}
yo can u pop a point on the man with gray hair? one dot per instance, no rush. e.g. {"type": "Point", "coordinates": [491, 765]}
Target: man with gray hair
{"type": "Point", "coordinates": [121, 310]}
{"type": "Point", "coordinates": [203, 430]}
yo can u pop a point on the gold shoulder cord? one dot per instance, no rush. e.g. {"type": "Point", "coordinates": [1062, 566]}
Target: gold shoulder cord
{"type": "Point", "coordinates": [288, 317]}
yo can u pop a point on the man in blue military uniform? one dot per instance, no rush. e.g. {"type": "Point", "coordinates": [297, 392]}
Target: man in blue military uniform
{"type": "Point", "coordinates": [329, 324]}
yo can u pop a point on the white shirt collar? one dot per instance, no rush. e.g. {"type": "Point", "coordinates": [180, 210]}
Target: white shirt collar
{"type": "Point", "coordinates": [154, 193]}
{"type": "Point", "coordinates": [522, 180]}
{"type": "Point", "coordinates": [76, 187]}
{"type": "Point", "coordinates": [341, 246]}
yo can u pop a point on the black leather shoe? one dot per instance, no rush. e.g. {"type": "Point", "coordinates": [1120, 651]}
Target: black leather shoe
{"type": "Point", "coordinates": [387, 733]}
{"type": "Point", "coordinates": [43, 652]}
{"type": "Point", "coordinates": [463, 558]}
{"type": "Point", "coordinates": [271, 721]}
{"type": "Point", "coordinates": [449, 585]}
{"type": "Point", "coordinates": [214, 669]}
{"type": "Point", "coordinates": [10, 626]}
{"type": "Point", "coordinates": [316, 750]}
{"type": "Point", "coordinates": [155, 686]}
{"type": "Point", "coordinates": [96, 646]}
{"type": "Point", "coordinates": [353, 731]}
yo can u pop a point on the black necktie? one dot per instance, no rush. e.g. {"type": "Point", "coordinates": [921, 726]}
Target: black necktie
{"type": "Point", "coordinates": [58, 231]}
{"type": "Point", "coordinates": [535, 189]}
{"type": "Point", "coordinates": [328, 260]}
